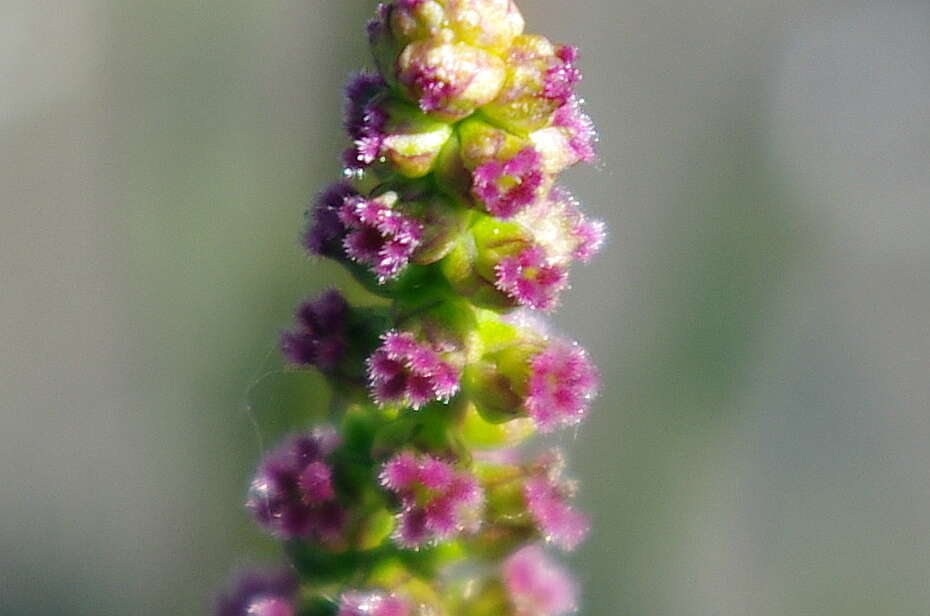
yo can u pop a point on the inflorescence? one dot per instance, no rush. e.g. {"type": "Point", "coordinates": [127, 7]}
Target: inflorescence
{"type": "Point", "coordinates": [421, 496]}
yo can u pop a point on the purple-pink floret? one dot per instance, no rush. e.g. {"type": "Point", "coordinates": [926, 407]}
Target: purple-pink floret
{"type": "Point", "coordinates": [536, 585]}
{"type": "Point", "coordinates": [260, 594]}
{"type": "Point", "coordinates": [437, 501]}
{"type": "Point", "coordinates": [326, 232]}
{"type": "Point", "coordinates": [561, 79]}
{"type": "Point", "coordinates": [507, 187]}
{"type": "Point", "coordinates": [588, 235]}
{"type": "Point", "coordinates": [356, 603]}
{"type": "Point", "coordinates": [320, 336]}
{"type": "Point", "coordinates": [581, 132]}
{"type": "Point", "coordinates": [292, 494]}
{"type": "Point", "coordinates": [379, 235]}
{"type": "Point", "coordinates": [547, 495]}
{"type": "Point", "coordinates": [530, 280]}
{"type": "Point", "coordinates": [364, 120]}
{"type": "Point", "coordinates": [562, 383]}
{"type": "Point", "coordinates": [434, 90]}
{"type": "Point", "coordinates": [404, 371]}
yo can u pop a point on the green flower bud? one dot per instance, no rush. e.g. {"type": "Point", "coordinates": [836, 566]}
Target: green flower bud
{"type": "Point", "coordinates": [479, 433]}
{"type": "Point", "coordinates": [497, 384]}
{"type": "Point", "coordinates": [489, 24]}
{"type": "Point", "coordinates": [470, 267]}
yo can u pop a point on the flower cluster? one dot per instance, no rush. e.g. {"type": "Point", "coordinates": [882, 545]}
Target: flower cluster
{"type": "Point", "coordinates": [437, 502]}
{"type": "Point", "coordinates": [451, 213]}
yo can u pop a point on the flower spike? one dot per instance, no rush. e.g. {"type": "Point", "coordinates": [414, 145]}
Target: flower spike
{"type": "Point", "coordinates": [416, 496]}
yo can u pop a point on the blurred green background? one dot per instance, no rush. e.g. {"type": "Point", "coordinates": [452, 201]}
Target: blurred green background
{"type": "Point", "coordinates": [761, 312]}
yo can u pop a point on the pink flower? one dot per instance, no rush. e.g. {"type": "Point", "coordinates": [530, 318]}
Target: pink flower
{"type": "Point", "coordinates": [530, 279]}
{"type": "Point", "coordinates": [547, 495]}
{"type": "Point", "coordinates": [379, 235]}
{"type": "Point", "coordinates": [507, 187]}
{"type": "Point", "coordinates": [404, 371]}
{"type": "Point", "coordinates": [536, 585]}
{"type": "Point", "coordinates": [356, 603]}
{"type": "Point", "coordinates": [590, 235]}
{"type": "Point", "coordinates": [561, 385]}
{"type": "Point", "coordinates": [437, 501]}
{"type": "Point", "coordinates": [557, 224]}
{"type": "Point", "coordinates": [579, 128]}
{"type": "Point", "coordinates": [563, 76]}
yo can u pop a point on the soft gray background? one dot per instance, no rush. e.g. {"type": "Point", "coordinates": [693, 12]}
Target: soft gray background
{"type": "Point", "coordinates": [761, 313]}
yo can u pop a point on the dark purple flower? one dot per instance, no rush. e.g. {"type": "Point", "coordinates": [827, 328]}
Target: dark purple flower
{"type": "Point", "coordinates": [506, 187]}
{"type": "Point", "coordinates": [364, 120]}
{"type": "Point", "coordinates": [320, 336]}
{"type": "Point", "coordinates": [530, 279]}
{"type": "Point", "coordinates": [437, 501]}
{"type": "Point", "coordinates": [379, 234]}
{"type": "Point", "coordinates": [260, 594]}
{"type": "Point", "coordinates": [537, 586]}
{"type": "Point", "coordinates": [561, 385]}
{"type": "Point", "coordinates": [404, 371]}
{"type": "Point", "coordinates": [292, 494]}
{"type": "Point", "coordinates": [325, 233]}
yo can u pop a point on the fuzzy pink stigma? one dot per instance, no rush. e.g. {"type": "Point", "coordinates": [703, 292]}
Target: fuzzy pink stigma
{"type": "Point", "coordinates": [433, 88]}
{"type": "Point", "coordinates": [530, 280]}
{"type": "Point", "coordinates": [537, 586]}
{"type": "Point", "coordinates": [505, 188]}
{"type": "Point", "coordinates": [580, 130]}
{"type": "Point", "coordinates": [561, 79]}
{"type": "Point", "coordinates": [562, 383]}
{"type": "Point", "coordinates": [558, 521]}
{"type": "Point", "coordinates": [437, 501]}
{"type": "Point", "coordinates": [379, 235]}
{"type": "Point", "coordinates": [590, 235]}
{"type": "Point", "coordinates": [372, 604]}
{"type": "Point", "coordinates": [403, 371]}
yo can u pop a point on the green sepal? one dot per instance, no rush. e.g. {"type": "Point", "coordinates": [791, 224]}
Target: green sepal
{"type": "Point", "coordinates": [481, 433]}
{"type": "Point", "coordinates": [413, 139]}
{"type": "Point", "coordinates": [491, 599]}
{"type": "Point", "coordinates": [432, 429]}
{"type": "Point", "coordinates": [376, 529]}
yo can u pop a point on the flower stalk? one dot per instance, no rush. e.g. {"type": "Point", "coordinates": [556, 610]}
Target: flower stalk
{"type": "Point", "coordinates": [426, 493]}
